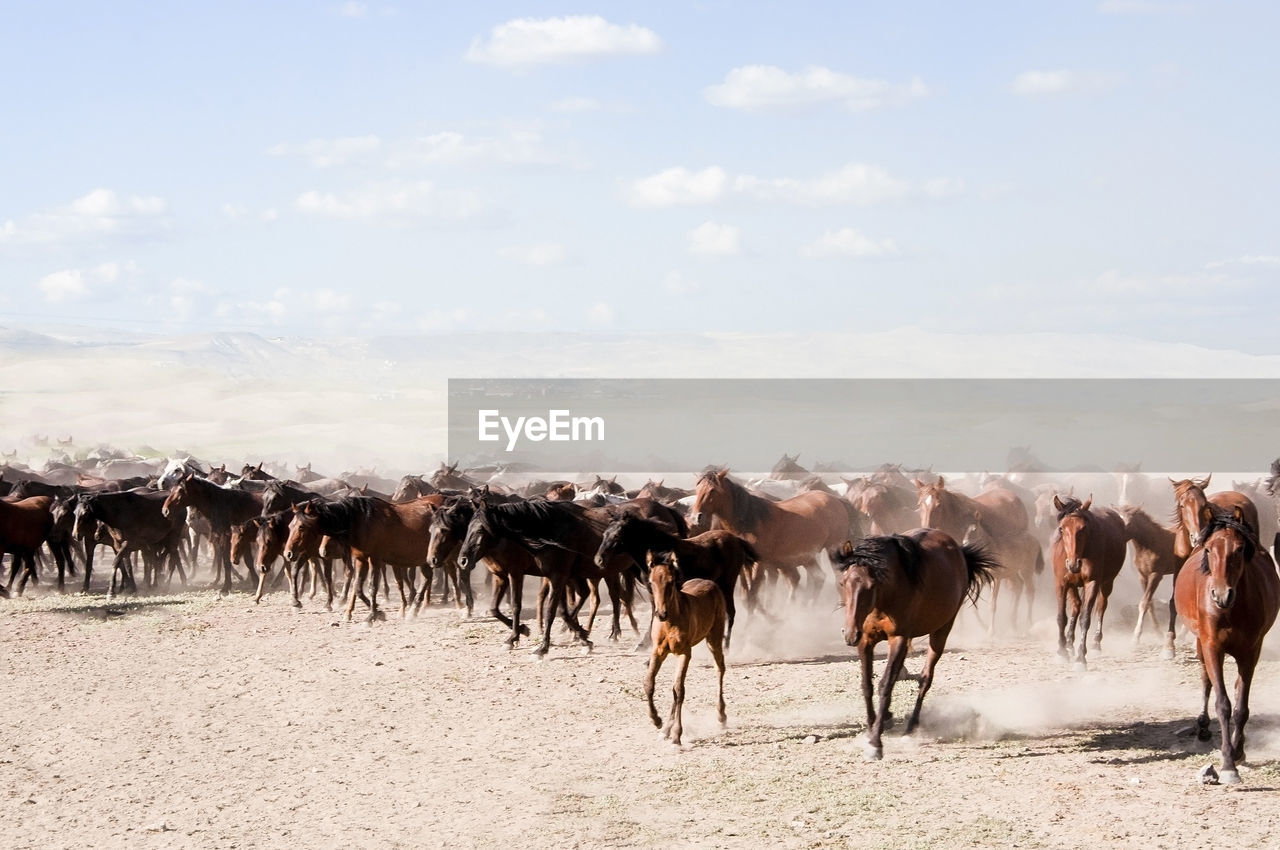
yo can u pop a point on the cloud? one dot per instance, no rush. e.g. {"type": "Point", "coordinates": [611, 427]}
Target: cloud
{"type": "Point", "coordinates": [452, 148]}
{"type": "Point", "coordinates": [677, 283]}
{"type": "Point", "coordinates": [600, 313]}
{"type": "Point", "coordinates": [1035, 83]}
{"type": "Point", "coordinates": [101, 214]}
{"type": "Point", "coordinates": [538, 255]}
{"type": "Point", "coordinates": [353, 10]}
{"type": "Point", "coordinates": [849, 243]}
{"type": "Point", "coordinates": [525, 42]}
{"type": "Point", "coordinates": [856, 183]}
{"type": "Point", "coordinates": [767, 87]}
{"type": "Point", "coordinates": [576, 104]}
{"type": "Point", "coordinates": [326, 153]}
{"type": "Point", "coordinates": [75, 284]}
{"type": "Point", "coordinates": [714, 240]}
{"type": "Point", "coordinates": [1142, 7]}
{"type": "Point", "coordinates": [393, 203]}
{"type": "Point", "coordinates": [1246, 260]}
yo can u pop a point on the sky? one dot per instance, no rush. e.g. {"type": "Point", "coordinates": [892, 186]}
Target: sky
{"type": "Point", "coordinates": [369, 168]}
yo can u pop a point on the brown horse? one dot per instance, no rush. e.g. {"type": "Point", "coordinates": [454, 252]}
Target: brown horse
{"type": "Point", "coordinates": [686, 611]}
{"type": "Point", "coordinates": [897, 588]}
{"type": "Point", "coordinates": [1189, 502]}
{"type": "Point", "coordinates": [1021, 559]}
{"type": "Point", "coordinates": [1153, 558]}
{"type": "Point", "coordinates": [1228, 592]}
{"type": "Point", "coordinates": [784, 534]}
{"type": "Point", "coordinates": [221, 507]}
{"type": "Point", "coordinates": [24, 525]}
{"type": "Point", "coordinates": [1003, 513]}
{"type": "Point", "coordinates": [891, 510]}
{"type": "Point", "coordinates": [1087, 553]}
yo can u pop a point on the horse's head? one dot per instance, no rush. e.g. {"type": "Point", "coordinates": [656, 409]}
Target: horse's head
{"type": "Point", "coordinates": [1073, 530]}
{"type": "Point", "coordinates": [933, 502]}
{"type": "Point", "coordinates": [712, 496]}
{"type": "Point", "coordinates": [612, 538]}
{"type": "Point", "coordinates": [448, 526]}
{"type": "Point", "coordinates": [85, 523]}
{"type": "Point", "coordinates": [857, 582]}
{"type": "Point", "coordinates": [562, 492]}
{"type": "Point", "coordinates": [787, 468]}
{"type": "Point", "coordinates": [664, 582]}
{"type": "Point", "coordinates": [242, 537]}
{"type": "Point", "coordinates": [179, 496]}
{"type": "Point", "coordinates": [1189, 505]}
{"type": "Point", "coordinates": [974, 533]}
{"type": "Point", "coordinates": [480, 537]}
{"type": "Point", "coordinates": [1229, 545]}
{"type": "Point", "coordinates": [304, 531]}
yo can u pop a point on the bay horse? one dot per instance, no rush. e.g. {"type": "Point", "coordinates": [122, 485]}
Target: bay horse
{"type": "Point", "coordinates": [719, 556]}
{"type": "Point", "coordinates": [24, 525]}
{"type": "Point", "coordinates": [221, 507]}
{"type": "Point", "coordinates": [900, 587]}
{"type": "Point", "coordinates": [786, 534]}
{"type": "Point", "coordinates": [1087, 552]}
{"type": "Point", "coordinates": [1154, 558]}
{"type": "Point", "coordinates": [1228, 593]}
{"type": "Point", "coordinates": [686, 611]}
{"type": "Point", "coordinates": [1189, 501]}
{"type": "Point", "coordinates": [1021, 559]}
{"type": "Point", "coordinates": [1003, 513]}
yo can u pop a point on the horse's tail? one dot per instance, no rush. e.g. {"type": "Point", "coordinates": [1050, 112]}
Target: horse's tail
{"type": "Point", "coordinates": [1039, 560]}
{"type": "Point", "coordinates": [752, 557]}
{"type": "Point", "coordinates": [982, 567]}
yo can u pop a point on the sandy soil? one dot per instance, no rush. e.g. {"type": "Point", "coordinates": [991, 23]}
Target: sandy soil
{"type": "Point", "coordinates": [194, 721]}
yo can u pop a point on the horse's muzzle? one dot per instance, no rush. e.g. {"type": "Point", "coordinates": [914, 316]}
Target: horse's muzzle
{"type": "Point", "coordinates": [599, 562]}
{"type": "Point", "coordinates": [695, 519]}
{"type": "Point", "coordinates": [1073, 567]}
{"type": "Point", "coordinates": [661, 615]}
{"type": "Point", "coordinates": [290, 555]}
{"type": "Point", "coordinates": [851, 638]}
{"type": "Point", "coordinates": [1226, 601]}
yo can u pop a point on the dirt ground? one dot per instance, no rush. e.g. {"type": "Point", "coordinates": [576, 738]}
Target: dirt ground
{"type": "Point", "coordinates": [193, 721]}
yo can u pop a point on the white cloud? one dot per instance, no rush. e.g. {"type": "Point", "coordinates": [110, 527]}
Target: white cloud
{"type": "Point", "coordinates": [1062, 81]}
{"type": "Point", "coordinates": [452, 148]}
{"type": "Point", "coordinates": [550, 41]}
{"type": "Point", "coordinates": [576, 104]}
{"type": "Point", "coordinates": [73, 284]}
{"type": "Point", "coordinates": [714, 240]}
{"type": "Point", "coordinates": [1142, 7]}
{"type": "Point", "coordinates": [101, 213]}
{"type": "Point", "coordinates": [353, 10]}
{"type": "Point", "coordinates": [679, 187]}
{"type": "Point", "coordinates": [269, 214]}
{"type": "Point", "coordinates": [849, 243]}
{"type": "Point", "coordinates": [855, 183]}
{"type": "Point", "coordinates": [326, 153]}
{"type": "Point", "coordinates": [328, 301]}
{"type": "Point", "coordinates": [600, 313]}
{"type": "Point", "coordinates": [1246, 260]}
{"type": "Point", "coordinates": [234, 211]}
{"type": "Point", "coordinates": [538, 255]}
{"type": "Point", "coordinates": [392, 203]}
{"type": "Point", "coordinates": [765, 87]}
{"type": "Point", "coordinates": [677, 283]}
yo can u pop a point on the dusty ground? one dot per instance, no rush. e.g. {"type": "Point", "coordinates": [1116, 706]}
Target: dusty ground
{"type": "Point", "coordinates": [190, 721]}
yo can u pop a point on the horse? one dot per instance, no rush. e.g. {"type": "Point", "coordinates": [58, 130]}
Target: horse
{"type": "Point", "coordinates": [1003, 513]}
{"type": "Point", "coordinates": [412, 487]}
{"type": "Point", "coordinates": [1021, 559]}
{"type": "Point", "coordinates": [785, 534]}
{"type": "Point", "coordinates": [899, 587]}
{"type": "Point", "coordinates": [1087, 552]}
{"type": "Point", "coordinates": [686, 612]}
{"type": "Point", "coordinates": [223, 508]}
{"type": "Point", "coordinates": [270, 532]}
{"type": "Point", "coordinates": [889, 509]}
{"type": "Point", "coordinates": [24, 525]}
{"type": "Point", "coordinates": [448, 478]}
{"type": "Point", "coordinates": [1153, 558]}
{"type": "Point", "coordinates": [1189, 499]}
{"type": "Point", "coordinates": [787, 469]}
{"type": "Point", "coordinates": [1228, 592]}
{"type": "Point", "coordinates": [138, 523]}
{"type": "Point", "coordinates": [718, 556]}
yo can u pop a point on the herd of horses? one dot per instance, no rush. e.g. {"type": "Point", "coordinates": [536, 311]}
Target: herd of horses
{"type": "Point", "coordinates": [905, 551]}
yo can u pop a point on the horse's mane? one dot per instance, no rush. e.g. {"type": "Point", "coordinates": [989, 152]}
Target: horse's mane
{"type": "Point", "coordinates": [342, 515]}
{"type": "Point", "coordinates": [1224, 519]}
{"type": "Point", "coordinates": [746, 510]}
{"type": "Point", "coordinates": [1070, 505]}
{"type": "Point", "coordinates": [873, 553]}
{"type": "Point", "coordinates": [1141, 525]}
{"type": "Point", "coordinates": [455, 515]}
{"type": "Point", "coordinates": [538, 523]}
{"type": "Point", "coordinates": [651, 528]}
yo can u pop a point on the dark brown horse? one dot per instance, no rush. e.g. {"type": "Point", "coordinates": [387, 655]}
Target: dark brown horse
{"type": "Point", "coordinates": [1228, 593]}
{"type": "Point", "coordinates": [1087, 554]}
{"type": "Point", "coordinates": [24, 525]}
{"type": "Point", "coordinates": [223, 508]}
{"type": "Point", "coordinates": [1189, 501]}
{"type": "Point", "coordinates": [1153, 558]}
{"type": "Point", "coordinates": [137, 523]}
{"type": "Point", "coordinates": [786, 534]}
{"type": "Point", "coordinates": [719, 556]}
{"type": "Point", "coordinates": [901, 587]}
{"type": "Point", "coordinates": [686, 611]}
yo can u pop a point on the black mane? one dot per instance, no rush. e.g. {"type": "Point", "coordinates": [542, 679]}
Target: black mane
{"type": "Point", "coordinates": [874, 554]}
{"type": "Point", "coordinates": [1224, 519]}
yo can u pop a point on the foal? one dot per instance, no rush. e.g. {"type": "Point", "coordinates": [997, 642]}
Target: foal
{"type": "Point", "coordinates": [685, 613]}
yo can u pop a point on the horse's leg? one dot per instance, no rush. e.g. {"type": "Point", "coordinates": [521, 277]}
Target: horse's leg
{"type": "Point", "coordinates": [1213, 660]}
{"type": "Point", "coordinates": [675, 726]}
{"type": "Point", "coordinates": [376, 567]}
{"type": "Point", "coordinates": [717, 646]}
{"type": "Point", "coordinates": [730, 611]}
{"type": "Point", "coordinates": [462, 587]}
{"type": "Point", "coordinates": [555, 596]}
{"type": "Point", "coordinates": [88, 563]}
{"type": "Point", "coordinates": [1063, 589]}
{"type": "Point", "coordinates": [1244, 683]}
{"type": "Point", "coordinates": [792, 575]}
{"type": "Point", "coordinates": [615, 597]}
{"type": "Point", "coordinates": [297, 575]}
{"type": "Point", "coordinates": [866, 654]}
{"type": "Point", "coordinates": [357, 584]}
{"type": "Point", "coordinates": [263, 574]}
{"type": "Point", "coordinates": [517, 601]}
{"type": "Point", "coordinates": [544, 588]}
{"type": "Point", "coordinates": [655, 662]}
{"type": "Point", "coordinates": [1086, 615]}
{"type": "Point", "coordinates": [995, 596]}
{"type": "Point", "coordinates": [593, 592]}
{"type": "Point", "coordinates": [1104, 595]}
{"type": "Point", "coordinates": [570, 618]}
{"type": "Point", "coordinates": [814, 579]}
{"type": "Point", "coordinates": [403, 579]}
{"type": "Point", "coordinates": [1075, 617]}
{"type": "Point", "coordinates": [222, 554]}
{"type": "Point", "coordinates": [937, 643]}
{"type": "Point", "coordinates": [893, 666]}
{"type": "Point", "coordinates": [1167, 653]}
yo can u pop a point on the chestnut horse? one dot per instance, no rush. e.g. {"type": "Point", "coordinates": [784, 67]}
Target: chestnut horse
{"type": "Point", "coordinates": [1087, 553]}
{"type": "Point", "coordinates": [785, 534]}
{"type": "Point", "coordinates": [890, 509]}
{"type": "Point", "coordinates": [1228, 593]}
{"type": "Point", "coordinates": [1021, 559]}
{"type": "Point", "coordinates": [901, 587]}
{"type": "Point", "coordinates": [1002, 512]}
{"type": "Point", "coordinates": [686, 611]}
{"type": "Point", "coordinates": [1153, 558]}
{"type": "Point", "coordinates": [1189, 499]}
{"type": "Point", "coordinates": [24, 525]}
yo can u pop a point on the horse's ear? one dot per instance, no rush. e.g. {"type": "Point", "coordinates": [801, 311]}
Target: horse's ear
{"type": "Point", "coordinates": [1174, 483]}
{"type": "Point", "coordinates": [1206, 514]}
{"type": "Point", "coordinates": [364, 491]}
{"type": "Point", "coordinates": [648, 558]}
{"type": "Point", "coordinates": [674, 562]}
{"type": "Point", "coordinates": [942, 482]}
{"type": "Point", "coordinates": [1087, 503]}
{"type": "Point", "coordinates": [1237, 514]}
{"type": "Point", "coordinates": [484, 491]}
{"type": "Point", "coordinates": [1204, 485]}
{"type": "Point", "coordinates": [613, 480]}
{"type": "Point", "coordinates": [258, 468]}
{"type": "Point", "coordinates": [1057, 501]}
{"type": "Point", "coordinates": [920, 485]}
{"type": "Point", "coordinates": [722, 474]}
{"type": "Point", "coordinates": [977, 516]}
{"type": "Point", "coordinates": [660, 482]}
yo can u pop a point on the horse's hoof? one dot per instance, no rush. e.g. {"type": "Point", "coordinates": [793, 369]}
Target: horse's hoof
{"type": "Point", "coordinates": [1202, 734]}
{"type": "Point", "coordinates": [1096, 646]}
{"type": "Point", "coordinates": [297, 604]}
{"type": "Point", "coordinates": [524, 631]}
{"type": "Point", "coordinates": [1166, 655]}
{"type": "Point", "coordinates": [1080, 666]}
{"type": "Point", "coordinates": [873, 753]}
{"type": "Point", "coordinates": [587, 647]}
{"type": "Point", "coordinates": [1229, 777]}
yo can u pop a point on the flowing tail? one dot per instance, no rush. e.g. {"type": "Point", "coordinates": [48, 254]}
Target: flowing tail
{"type": "Point", "coordinates": [982, 567]}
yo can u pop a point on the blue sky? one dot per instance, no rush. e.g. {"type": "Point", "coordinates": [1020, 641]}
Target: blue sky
{"type": "Point", "coordinates": [397, 167]}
